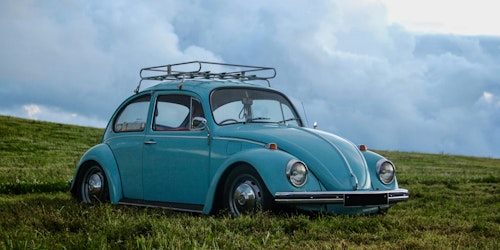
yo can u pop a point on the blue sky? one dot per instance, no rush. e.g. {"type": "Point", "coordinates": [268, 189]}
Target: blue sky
{"type": "Point", "coordinates": [395, 75]}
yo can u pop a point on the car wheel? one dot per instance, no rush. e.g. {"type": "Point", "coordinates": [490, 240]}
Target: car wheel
{"type": "Point", "coordinates": [245, 192]}
{"type": "Point", "coordinates": [92, 185]}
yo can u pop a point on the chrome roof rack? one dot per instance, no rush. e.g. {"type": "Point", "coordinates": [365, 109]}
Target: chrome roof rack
{"type": "Point", "coordinates": [191, 70]}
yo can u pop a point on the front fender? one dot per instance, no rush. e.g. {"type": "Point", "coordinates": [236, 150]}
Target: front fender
{"type": "Point", "coordinates": [103, 155]}
{"type": "Point", "coordinates": [271, 166]}
{"type": "Point", "coordinates": [371, 159]}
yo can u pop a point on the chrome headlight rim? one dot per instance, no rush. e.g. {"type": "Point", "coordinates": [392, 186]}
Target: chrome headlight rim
{"type": "Point", "coordinates": [382, 171]}
{"type": "Point", "coordinates": [291, 172]}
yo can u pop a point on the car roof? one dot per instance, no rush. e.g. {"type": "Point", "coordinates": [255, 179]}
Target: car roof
{"type": "Point", "coordinates": [202, 77]}
{"type": "Point", "coordinates": [202, 86]}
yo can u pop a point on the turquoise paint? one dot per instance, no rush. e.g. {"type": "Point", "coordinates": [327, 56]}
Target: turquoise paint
{"type": "Point", "coordinates": [187, 166]}
{"type": "Point", "coordinates": [270, 164]}
{"type": "Point", "coordinates": [103, 155]}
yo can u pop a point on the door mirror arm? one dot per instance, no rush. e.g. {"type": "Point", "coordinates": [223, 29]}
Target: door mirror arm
{"type": "Point", "coordinates": [200, 123]}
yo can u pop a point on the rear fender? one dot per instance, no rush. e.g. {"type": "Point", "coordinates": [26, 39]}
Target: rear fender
{"type": "Point", "coordinates": [103, 155]}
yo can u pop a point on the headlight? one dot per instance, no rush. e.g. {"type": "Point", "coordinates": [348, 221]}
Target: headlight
{"type": "Point", "coordinates": [296, 172]}
{"type": "Point", "coordinates": [385, 171]}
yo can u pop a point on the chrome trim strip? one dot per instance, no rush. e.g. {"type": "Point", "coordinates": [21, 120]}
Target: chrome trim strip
{"type": "Point", "coordinates": [222, 138]}
{"type": "Point", "coordinates": [177, 136]}
{"type": "Point", "coordinates": [124, 136]}
{"type": "Point", "coordinates": [337, 149]}
{"type": "Point", "coordinates": [165, 205]}
{"type": "Point", "coordinates": [329, 197]}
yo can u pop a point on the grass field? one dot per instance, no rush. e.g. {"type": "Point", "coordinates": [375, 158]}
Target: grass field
{"type": "Point", "coordinates": [454, 204]}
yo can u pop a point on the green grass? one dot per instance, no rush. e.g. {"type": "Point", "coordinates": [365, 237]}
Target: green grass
{"type": "Point", "coordinates": [454, 204]}
{"type": "Point", "coordinates": [40, 156]}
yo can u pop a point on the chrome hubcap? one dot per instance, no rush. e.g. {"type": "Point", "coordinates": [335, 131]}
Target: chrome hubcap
{"type": "Point", "coordinates": [245, 198]}
{"type": "Point", "coordinates": [95, 184]}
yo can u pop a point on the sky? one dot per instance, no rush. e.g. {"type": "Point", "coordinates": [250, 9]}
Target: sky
{"type": "Point", "coordinates": [404, 75]}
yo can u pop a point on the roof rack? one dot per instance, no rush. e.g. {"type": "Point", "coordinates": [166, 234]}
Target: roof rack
{"type": "Point", "coordinates": [191, 70]}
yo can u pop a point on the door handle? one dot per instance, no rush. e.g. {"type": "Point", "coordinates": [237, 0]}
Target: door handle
{"type": "Point", "coordinates": [150, 142]}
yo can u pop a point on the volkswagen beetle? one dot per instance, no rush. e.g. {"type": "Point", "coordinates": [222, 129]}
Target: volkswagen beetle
{"type": "Point", "coordinates": [205, 141]}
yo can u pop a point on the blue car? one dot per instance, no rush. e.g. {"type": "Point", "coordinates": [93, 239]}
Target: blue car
{"type": "Point", "coordinates": [214, 136]}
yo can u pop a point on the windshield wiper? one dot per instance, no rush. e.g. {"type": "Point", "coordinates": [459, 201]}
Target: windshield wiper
{"type": "Point", "coordinates": [258, 119]}
{"type": "Point", "coordinates": [290, 119]}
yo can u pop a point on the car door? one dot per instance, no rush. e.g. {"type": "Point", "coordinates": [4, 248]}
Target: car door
{"type": "Point", "coordinates": [176, 155]}
{"type": "Point", "coordinates": [127, 143]}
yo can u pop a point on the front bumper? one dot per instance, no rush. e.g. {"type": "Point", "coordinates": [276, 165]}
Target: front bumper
{"type": "Point", "coordinates": [347, 198]}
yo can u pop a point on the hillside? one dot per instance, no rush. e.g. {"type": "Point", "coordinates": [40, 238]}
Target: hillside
{"type": "Point", "coordinates": [40, 155]}
{"type": "Point", "coordinates": [454, 203]}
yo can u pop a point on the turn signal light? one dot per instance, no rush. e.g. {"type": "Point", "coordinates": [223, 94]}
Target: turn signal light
{"type": "Point", "coordinates": [272, 146]}
{"type": "Point", "coordinates": [363, 147]}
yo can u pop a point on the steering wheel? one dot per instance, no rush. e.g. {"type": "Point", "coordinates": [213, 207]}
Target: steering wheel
{"type": "Point", "coordinates": [228, 120]}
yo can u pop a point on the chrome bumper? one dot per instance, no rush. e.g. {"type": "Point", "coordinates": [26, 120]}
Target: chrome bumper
{"type": "Point", "coordinates": [347, 198]}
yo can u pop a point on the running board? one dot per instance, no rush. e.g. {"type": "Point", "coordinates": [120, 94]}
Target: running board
{"type": "Point", "coordinates": [193, 208]}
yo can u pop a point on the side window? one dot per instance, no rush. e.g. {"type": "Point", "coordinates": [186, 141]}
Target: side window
{"type": "Point", "coordinates": [196, 111]}
{"type": "Point", "coordinates": [133, 117]}
{"type": "Point", "coordinates": [176, 112]}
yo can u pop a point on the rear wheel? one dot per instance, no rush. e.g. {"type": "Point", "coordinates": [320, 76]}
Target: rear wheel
{"type": "Point", "coordinates": [245, 192]}
{"type": "Point", "coordinates": [92, 185]}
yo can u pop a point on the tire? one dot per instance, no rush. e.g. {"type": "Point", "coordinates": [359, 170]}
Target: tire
{"type": "Point", "coordinates": [245, 192]}
{"type": "Point", "coordinates": [92, 185]}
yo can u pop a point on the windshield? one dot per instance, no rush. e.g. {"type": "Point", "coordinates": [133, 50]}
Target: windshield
{"type": "Point", "coordinates": [242, 105]}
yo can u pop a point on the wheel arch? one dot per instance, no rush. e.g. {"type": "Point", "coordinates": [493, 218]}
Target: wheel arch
{"type": "Point", "coordinates": [270, 165]}
{"type": "Point", "coordinates": [219, 191]}
{"type": "Point", "coordinates": [102, 155]}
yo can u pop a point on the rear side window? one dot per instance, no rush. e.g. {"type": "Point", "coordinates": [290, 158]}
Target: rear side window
{"type": "Point", "coordinates": [133, 116]}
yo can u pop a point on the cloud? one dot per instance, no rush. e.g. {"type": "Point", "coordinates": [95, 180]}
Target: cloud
{"type": "Point", "coordinates": [54, 114]}
{"type": "Point", "coordinates": [368, 80]}
{"type": "Point", "coordinates": [32, 110]}
{"type": "Point", "coordinates": [445, 16]}
{"type": "Point", "coordinates": [83, 53]}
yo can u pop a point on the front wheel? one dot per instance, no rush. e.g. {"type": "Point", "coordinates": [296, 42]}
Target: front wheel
{"type": "Point", "coordinates": [92, 185]}
{"type": "Point", "coordinates": [245, 192]}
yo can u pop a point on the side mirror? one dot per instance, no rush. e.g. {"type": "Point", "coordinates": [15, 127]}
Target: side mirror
{"type": "Point", "coordinates": [199, 123]}
{"type": "Point", "coordinates": [315, 125]}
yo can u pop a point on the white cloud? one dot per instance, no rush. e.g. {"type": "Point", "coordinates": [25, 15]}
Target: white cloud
{"type": "Point", "coordinates": [54, 114]}
{"type": "Point", "coordinates": [488, 97]}
{"type": "Point", "coordinates": [445, 16]}
{"type": "Point", "coordinates": [32, 110]}
{"type": "Point", "coordinates": [358, 74]}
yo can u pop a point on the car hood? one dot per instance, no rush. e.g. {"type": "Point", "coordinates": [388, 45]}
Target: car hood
{"type": "Point", "coordinates": [335, 161]}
